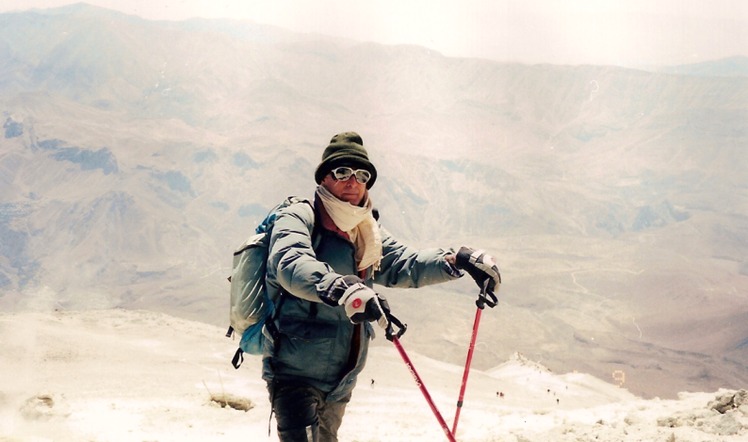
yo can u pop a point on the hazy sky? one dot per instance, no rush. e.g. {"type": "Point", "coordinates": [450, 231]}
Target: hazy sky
{"type": "Point", "coordinates": [621, 32]}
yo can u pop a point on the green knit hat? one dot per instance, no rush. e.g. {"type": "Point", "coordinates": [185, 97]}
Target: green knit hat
{"type": "Point", "coordinates": [345, 149]}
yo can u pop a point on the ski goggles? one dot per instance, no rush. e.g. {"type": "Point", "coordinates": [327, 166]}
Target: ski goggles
{"type": "Point", "coordinates": [344, 173]}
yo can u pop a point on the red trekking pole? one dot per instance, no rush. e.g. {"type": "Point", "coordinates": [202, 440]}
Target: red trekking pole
{"type": "Point", "coordinates": [395, 340]}
{"type": "Point", "coordinates": [481, 302]}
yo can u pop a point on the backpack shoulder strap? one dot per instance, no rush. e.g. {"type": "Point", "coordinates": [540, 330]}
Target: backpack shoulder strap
{"type": "Point", "coordinates": [315, 233]}
{"type": "Point", "coordinates": [316, 236]}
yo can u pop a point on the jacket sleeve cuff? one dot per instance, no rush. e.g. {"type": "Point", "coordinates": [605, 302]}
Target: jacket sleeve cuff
{"type": "Point", "coordinates": [450, 268]}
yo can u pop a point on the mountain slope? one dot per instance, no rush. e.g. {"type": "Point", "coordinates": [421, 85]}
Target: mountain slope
{"type": "Point", "coordinates": [124, 375]}
{"type": "Point", "coordinates": [135, 155]}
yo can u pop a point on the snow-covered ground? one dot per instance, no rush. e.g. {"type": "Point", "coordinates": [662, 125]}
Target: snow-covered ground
{"type": "Point", "coordinates": [116, 375]}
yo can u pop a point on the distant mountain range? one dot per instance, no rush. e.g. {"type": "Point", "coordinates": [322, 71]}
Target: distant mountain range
{"type": "Point", "coordinates": [135, 155]}
{"type": "Point", "coordinates": [727, 67]}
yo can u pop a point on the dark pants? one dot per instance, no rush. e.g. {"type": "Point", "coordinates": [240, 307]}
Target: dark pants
{"type": "Point", "coordinates": [303, 414]}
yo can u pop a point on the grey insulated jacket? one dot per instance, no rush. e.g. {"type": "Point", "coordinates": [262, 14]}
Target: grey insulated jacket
{"type": "Point", "coordinates": [317, 344]}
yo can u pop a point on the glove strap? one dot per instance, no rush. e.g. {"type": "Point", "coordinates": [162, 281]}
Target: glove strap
{"type": "Point", "coordinates": [350, 291]}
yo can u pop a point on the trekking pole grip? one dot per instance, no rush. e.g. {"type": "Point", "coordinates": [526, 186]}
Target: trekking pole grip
{"type": "Point", "coordinates": [486, 298]}
{"type": "Point", "coordinates": [392, 321]}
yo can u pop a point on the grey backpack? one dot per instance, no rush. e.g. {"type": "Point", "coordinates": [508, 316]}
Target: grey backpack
{"type": "Point", "coordinates": [251, 306]}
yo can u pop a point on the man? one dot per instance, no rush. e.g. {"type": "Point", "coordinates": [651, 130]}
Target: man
{"type": "Point", "coordinates": [323, 262]}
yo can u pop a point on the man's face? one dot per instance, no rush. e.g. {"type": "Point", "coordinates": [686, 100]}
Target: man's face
{"type": "Point", "coordinates": [350, 190]}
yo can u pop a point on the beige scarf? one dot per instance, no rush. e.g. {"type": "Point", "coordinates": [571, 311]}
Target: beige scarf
{"type": "Point", "coordinates": [359, 224]}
